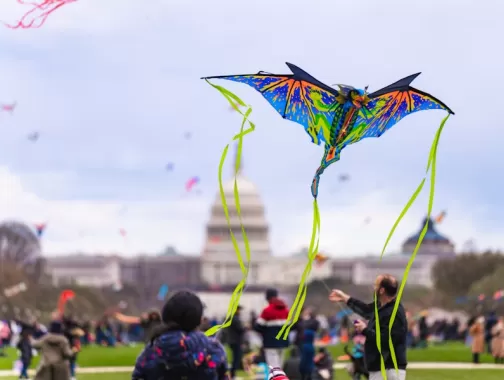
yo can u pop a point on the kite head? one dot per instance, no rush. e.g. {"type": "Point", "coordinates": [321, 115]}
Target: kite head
{"type": "Point", "coordinates": [352, 96]}
{"type": "Point", "coordinates": [359, 98]}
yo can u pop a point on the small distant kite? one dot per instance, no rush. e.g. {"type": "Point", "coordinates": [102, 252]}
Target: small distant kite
{"type": "Point", "coordinates": [37, 15]}
{"type": "Point", "coordinates": [320, 258]}
{"type": "Point", "coordinates": [40, 229]}
{"type": "Point", "coordinates": [191, 183]}
{"type": "Point", "coordinates": [187, 135]}
{"type": "Point", "coordinates": [367, 221]}
{"type": "Point", "coordinates": [33, 137]}
{"type": "Point", "coordinates": [65, 296]}
{"type": "Point", "coordinates": [169, 166]}
{"type": "Point", "coordinates": [8, 107]}
{"type": "Point", "coordinates": [123, 232]}
{"type": "Point", "coordinates": [234, 107]}
{"type": "Point", "coordinates": [439, 219]}
{"type": "Point", "coordinates": [163, 291]}
{"type": "Point", "coordinates": [344, 177]}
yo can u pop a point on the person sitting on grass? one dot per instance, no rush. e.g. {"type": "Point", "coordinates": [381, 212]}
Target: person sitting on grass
{"type": "Point", "coordinates": [357, 367]}
{"type": "Point", "coordinates": [292, 364]}
{"type": "Point", "coordinates": [253, 360]}
{"type": "Point", "coordinates": [323, 365]}
{"type": "Point", "coordinates": [177, 349]}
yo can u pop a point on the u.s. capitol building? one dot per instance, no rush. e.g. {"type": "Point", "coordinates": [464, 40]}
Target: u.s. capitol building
{"type": "Point", "coordinates": [217, 266]}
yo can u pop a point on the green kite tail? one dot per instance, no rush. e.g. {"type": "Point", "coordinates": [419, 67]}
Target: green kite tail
{"type": "Point", "coordinates": [431, 165]}
{"type": "Point", "coordinates": [234, 101]}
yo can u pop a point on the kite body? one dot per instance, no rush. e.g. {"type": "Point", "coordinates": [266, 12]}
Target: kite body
{"type": "Point", "coordinates": [337, 118]}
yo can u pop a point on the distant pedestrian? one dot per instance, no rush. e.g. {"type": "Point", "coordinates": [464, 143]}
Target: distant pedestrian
{"type": "Point", "coordinates": [498, 341]}
{"type": "Point", "coordinates": [235, 336]}
{"type": "Point", "coordinates": [55, 353]}
{"type": "Point", "coordinates": [25, 349]}
{"type": "Point", "coordinates": [477, 333]}
{"type": "Point", "coordinates": [269, 324]}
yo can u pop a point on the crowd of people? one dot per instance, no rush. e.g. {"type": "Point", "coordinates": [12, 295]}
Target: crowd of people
{"type": "Point", "coordinates": [175, 344]}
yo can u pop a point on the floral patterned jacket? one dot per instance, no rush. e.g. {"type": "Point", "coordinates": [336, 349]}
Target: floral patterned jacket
{"type": "Point", "coordinates": [177, 355]}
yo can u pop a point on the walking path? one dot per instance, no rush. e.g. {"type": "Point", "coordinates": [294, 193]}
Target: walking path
{"type": "Point", "coordinates": [417, 365]}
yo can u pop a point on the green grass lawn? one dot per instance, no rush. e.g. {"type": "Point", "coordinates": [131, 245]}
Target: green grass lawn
{"type": "Point", "coordinates": [340, 375]}
{"type": "Point", "coordinates": [126, 356]}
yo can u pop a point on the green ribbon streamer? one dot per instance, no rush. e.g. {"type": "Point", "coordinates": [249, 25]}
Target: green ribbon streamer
{"type": "Point", "coordinates": [303, 285]}
{"type": "Point", "coordinates": [234, 101]}
{"type": "Point", "coordinates": [431, 165]}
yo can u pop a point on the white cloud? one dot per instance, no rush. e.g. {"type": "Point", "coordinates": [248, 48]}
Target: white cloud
{"type": "Point", "coordinates": [343, 231]}
{"type": "Point", "coordinates": [93, 226]}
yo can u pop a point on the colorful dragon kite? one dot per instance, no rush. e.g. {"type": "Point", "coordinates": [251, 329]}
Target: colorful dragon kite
{"type": "Point", "coordinates": [338, 118]}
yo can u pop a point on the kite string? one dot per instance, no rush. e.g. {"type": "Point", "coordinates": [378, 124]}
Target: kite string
{"type": "Point", "coordinates": [235, 298]}
{"type": "Point", "coordinates": [431, 165]}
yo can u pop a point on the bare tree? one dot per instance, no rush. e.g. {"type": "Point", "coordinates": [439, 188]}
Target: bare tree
{"type": "Point", "coordinates": [19, 246]}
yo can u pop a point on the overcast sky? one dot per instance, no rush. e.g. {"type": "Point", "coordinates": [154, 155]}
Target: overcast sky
{"type": "Point", "coordinates": [112, 87]}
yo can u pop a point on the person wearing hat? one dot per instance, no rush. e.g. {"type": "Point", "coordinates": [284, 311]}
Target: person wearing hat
{"type": "Point", "coordinates": [178, 349]}
{"type": "Point", "coordinates": [55, 353]}
{"type": "Point", "coordinates": [269, 324]}
{"type": "Point", "coordinates": [235, 335]}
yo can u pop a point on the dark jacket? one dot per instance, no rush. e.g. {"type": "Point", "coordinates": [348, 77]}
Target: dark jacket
{"type": "Point", "coordinates": [291, 367]}
{"type": "Point", "coordinates": [148, 326]}
{"type": "Point", "coordinates": [235, 331]}
{"type": "Point", "coordinates": [176, 355]}
{"type": "Point", "coordinates": [398, 333]}
{"type": "Point", "coordinates": [307, 347]}
{"type": "Point", "coordinates": [25, 348]}
{"type": "Point", "coordinates": [269, 324]}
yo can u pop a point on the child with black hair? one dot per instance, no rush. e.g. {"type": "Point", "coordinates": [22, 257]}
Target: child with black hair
{"type": "Point", "coordinates": [177, 349]}
{"type": "Point", "coordinates": [25, 350]}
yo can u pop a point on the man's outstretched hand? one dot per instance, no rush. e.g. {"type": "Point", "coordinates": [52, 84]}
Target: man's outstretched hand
{"type": "Point", "coordinates": [338, 296]}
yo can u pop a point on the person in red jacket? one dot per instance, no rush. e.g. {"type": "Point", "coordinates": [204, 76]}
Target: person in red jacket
{"type": "Point", "coordinates": [269, 324]}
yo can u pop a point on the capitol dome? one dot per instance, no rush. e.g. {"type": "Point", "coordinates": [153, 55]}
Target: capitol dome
{"type": "Point", "coordinates": [218, 240]}
{"type": "Point", "coordinates": [433, 243]}
{"type": "Point", "coordinates": [245, 187]}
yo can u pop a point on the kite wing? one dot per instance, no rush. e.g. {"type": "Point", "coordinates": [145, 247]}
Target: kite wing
{"type": "Point", "coordinates": [298, 97]}
{"type": "Point", "coordinates": [390, 105]}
